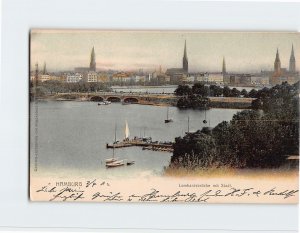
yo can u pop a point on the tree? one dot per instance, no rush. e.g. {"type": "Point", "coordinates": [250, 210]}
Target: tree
{"type": "Point", "coordinates": [200, 89]}
{"type": "Point", "coordinates": [183, 102]}
{"type": "Point", "coordinates": [252, 139]}
{"type": "Point", "coordinates": [252, 93]}
{"type": "Point", "coordinates": [215, 90]}
{"type": "Point", "coordinates": [226, 91]}
{"type": "Point", "coordinates": [244, 93]}
{"type": "Point", "coordinates": [183, 90]}
{"type": "Point", "coordinates": [194, 150]}
{"type": "Point", "coordinates": [193, 101]}
{"type": "Point", "coordinates": [235, 92]}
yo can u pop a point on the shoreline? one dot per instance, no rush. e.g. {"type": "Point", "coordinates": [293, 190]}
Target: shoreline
{"type": "Point", "coordinates": [216, 102]}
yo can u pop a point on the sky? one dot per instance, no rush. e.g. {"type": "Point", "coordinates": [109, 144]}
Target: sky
{"type": "Point", "coordinates": [133, 50]}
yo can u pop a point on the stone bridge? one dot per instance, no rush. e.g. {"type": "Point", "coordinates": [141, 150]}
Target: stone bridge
{"type": "Point", "coordinates": [152, 99]}
{"type": "Point", "coordinates": [140, 98]}
{"type": "Point", "coordinates": [132, 98]}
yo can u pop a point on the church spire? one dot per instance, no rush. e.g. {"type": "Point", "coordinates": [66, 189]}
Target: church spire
{"type": "Point", "coordinates": [224, 67]}
{"type": "Point", "coordinates": [277, 64]}
{"type": "Point", "coordinates": [93, 60]}
{"type": "Point", "coordinates": [44, 69]}
{"type": "Point", "coordinates": [185, 49]}
{"type": "Point", "coordinates": [185, 63]}
{"type": "Point", "coordinates": [292, 67]}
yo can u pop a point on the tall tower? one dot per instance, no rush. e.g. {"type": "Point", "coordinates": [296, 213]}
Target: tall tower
{"type": "Point", "coordinates": [292, 67]}
{"type": "Point", "coordinates": [185, 62]}
{"type": "Point", "coordinates": [93, 60]}
{"type": "Point", "coordinates": [224, 67]}
{"type": "Point", "coordinates": [277, 64]}
{"type": "Point", "coordinates": [44, 69]}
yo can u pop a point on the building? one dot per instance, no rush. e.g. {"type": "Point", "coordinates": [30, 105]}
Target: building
{"type": "Point", "coordinates": [92, 66]}
{"type": "Point", "coordinates": [216, 77]}
{"type": "Point", "coordinates": [103, 78]}
{"type": "Point", "coordinates": [185, 62]}
{"type": "Point", "coordinates": [292, 66]}
{"type": "Point", "coordinates": [179, 74]}
{"type": "Point", "coordinates": [121, 77]}
{"type": "Point", "coordinates": [92, 77]}
{"type": "Point", "coordinates": [280, 74]}
{"type": "Point", "coordinates": [259, 79]}
{"type": "Point", "coordinates": [44, 77]}
{"type": "Point", "coordinates": [224, 67]}
{"type": "Point", "coordinates": [226, 76]}
{"type": "Point", "coordinates": [139, 78]}
{"type": "Point", "coordinates": [190, 78]}
{"type": "Point", "coordinates": [93, 60]}
{"type": "Point", "coordinates": [45, 69]}
{"type": "Point", "coordinates": [73, 78]}
{"type": "Point", "coordinates": [201, 77]}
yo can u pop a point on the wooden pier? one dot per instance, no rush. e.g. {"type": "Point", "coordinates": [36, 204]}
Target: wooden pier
{"type": "Point", "coordinates": [158, 148]}
{"type": "Point", "coordinates": [155, 146]}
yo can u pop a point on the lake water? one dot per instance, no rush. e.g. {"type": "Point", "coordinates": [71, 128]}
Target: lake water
{"type": "Point", "coordinates": [71, 136]}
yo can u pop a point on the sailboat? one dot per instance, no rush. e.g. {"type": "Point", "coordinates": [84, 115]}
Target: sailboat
{"type": "Point", "coordinates": [127, 132]}
{"type": "Point", "coordinates": [188, 126]}
{"type": "Point", "coordinates": [117, 163]}
{"type": "Point", "coordinates": [205, 121]}
{"type": "Point", "coordinates": [113, 159]}
{"type": "Point", "coordinates": [168, 120]}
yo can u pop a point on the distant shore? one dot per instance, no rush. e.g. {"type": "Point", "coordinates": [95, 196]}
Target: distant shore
{"type": "Point", "coordinates": [154, 100]}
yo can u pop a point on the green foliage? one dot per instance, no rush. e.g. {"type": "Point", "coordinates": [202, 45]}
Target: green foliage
{"type": "Point", "coordinates": [215, 90]}
{"type": "Point", "coordinates": [193, 101]}
{"type": "Point", "coordinates": [252, 93]}
{"type": "Point", "coordinates": [183, 90]}
{"type": "Point", "coordinates": [226, 91]}
{"type": "Point", "coordinates": [200, 90]}
{"type": "Point", "coordinates": [252, 139]}
{"type": "Point", "coordinates": [52, 87]}
{"type": "Point", "coordinates": [235, 92]}
{"type": "Point", "coordinates": [244, 93]}
{"type": "Point", "coordinates": [200, 151]}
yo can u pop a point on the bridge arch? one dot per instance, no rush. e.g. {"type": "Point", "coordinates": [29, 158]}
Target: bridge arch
{"type": "Point", "coordinates": [131, 100]}
{"type": "Point", "coordinates": [113, 99]}
{"type": "Point", "coordinates": [96, 98]}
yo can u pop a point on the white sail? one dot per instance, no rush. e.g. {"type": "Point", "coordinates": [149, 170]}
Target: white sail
{"type": "Point", "coordinates": [126, 130]}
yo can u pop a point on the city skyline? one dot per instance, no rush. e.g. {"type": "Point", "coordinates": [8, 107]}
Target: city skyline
{"type": "Point", "coordinates": [133, 50]}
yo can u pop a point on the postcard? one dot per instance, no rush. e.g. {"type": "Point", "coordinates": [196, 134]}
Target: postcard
{"type": "Point", "coordinates": [164, 116]}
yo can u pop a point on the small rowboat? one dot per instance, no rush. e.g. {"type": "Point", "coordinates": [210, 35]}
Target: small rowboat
{"type": "Point", "coordinates": [130, 163]}
{"type": "Point", "coordinates": [117, 163]}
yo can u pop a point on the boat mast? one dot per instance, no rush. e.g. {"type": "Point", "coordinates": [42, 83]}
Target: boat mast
{"type": "Point", "coordinates": [167, 113]}
{"type": "Point", "coordinates": [126, 130]}
{"type": "Point", "coordinates": [115, 140]}
{"type": "Point", "coordinates": [188, 124]}
{"type": "Point", "coordinates": [115, 132]}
